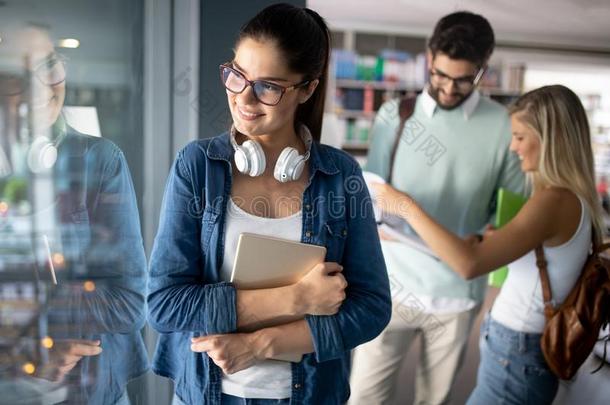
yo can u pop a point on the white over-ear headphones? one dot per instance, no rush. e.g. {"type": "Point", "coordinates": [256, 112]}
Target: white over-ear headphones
{"type": "Point", "coordinates": [42, 154]}
{"type": "Point", "coordinates": [250, 159]}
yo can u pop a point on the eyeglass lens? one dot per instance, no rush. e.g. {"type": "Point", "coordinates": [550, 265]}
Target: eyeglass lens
{"type": "Point", "coordinates": [462, 83]}
{"type": "Point", "coordinates": [50, 73]}
{"type": "Point", "coordinates": [265, 92]}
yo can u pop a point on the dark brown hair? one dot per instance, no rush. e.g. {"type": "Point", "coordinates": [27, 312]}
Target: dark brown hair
{"type": "Point", "coordinates": [303, 37]}
{"type": "Point", "coordinates": [463, 35]}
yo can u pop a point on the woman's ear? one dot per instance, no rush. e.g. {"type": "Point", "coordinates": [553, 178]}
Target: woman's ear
{"type": "Point", "coordinates": [307, 92]}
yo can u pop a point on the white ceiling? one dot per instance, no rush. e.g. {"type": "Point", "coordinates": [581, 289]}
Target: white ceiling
{"type": "Point", "coordinates": [568, 23]}
{"type": "Point", "coordinates": [101, 27]}
{"type": "Point", "coordinates": [105, 30]}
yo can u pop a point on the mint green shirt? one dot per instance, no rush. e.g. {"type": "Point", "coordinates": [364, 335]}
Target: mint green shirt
{"type": "Point", "coordinates": [451, 162]}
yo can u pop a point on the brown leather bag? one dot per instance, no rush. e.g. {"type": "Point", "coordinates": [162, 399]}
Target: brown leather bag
{"type": "Point", "coordinates": [572, 329]}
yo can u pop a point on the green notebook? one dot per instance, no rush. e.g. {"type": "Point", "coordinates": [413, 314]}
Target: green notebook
{"type": "Point", "coordinates": [508, 206]}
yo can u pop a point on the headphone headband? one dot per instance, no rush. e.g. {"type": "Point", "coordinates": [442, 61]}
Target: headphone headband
{"type": "Point", "coordinates": [250, 159]}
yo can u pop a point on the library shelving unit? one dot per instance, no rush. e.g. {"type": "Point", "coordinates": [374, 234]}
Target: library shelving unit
{"type": "Point", "coordinates": [368, 69]}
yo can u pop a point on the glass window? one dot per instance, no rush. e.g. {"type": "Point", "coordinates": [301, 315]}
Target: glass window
{"type": "Point", "coordinates": [72, 261]}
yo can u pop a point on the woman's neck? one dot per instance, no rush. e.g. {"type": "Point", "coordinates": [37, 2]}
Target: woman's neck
{"type": "Point", "coordinates": [274, 144]}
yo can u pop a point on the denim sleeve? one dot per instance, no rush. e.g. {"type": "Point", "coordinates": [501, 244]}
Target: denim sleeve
{"type": "Point", "coordinates": [106, 291]}
{"type": "Point", "coordinates": [367, 308]}
{"type": "Point", "coordinates": [383, 134]}
{"type": "Point", "coordinates": [179, 299]}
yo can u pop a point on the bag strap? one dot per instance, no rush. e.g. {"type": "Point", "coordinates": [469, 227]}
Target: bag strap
{"type": "Point", "coordinates": [603, 360]}
{"type": "Point", "coordinates": [541, 263]}
{"type": "Point", "coordinates": [406, 106]}
{"type": "Point", "coordinates": [547, 295]}
{"type": "Point", "coordinates": [603, 247]}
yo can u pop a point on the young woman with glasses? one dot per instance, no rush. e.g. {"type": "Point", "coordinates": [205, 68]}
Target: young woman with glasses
{"type": "Point", "coordinates": [80, 207]}
{"type": "Point", "coordinates": [267, 175]}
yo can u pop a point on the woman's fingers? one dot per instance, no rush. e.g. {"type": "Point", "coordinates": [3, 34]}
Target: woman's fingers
{"type": "Point", "coordinates": [384, 235]}
{"type": "Point", "coordinates": [203, 344]}
{"type": "Point", "coordinates": [84, 349]}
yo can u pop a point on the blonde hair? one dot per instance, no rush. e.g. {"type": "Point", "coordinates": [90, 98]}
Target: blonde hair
{"type": "Point", "coordinates": [557, 116]}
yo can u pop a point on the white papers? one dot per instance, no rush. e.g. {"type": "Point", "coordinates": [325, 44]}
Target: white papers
{"type": "Point", "coordinates": [371, 178]}
{"type": "Point", "coordinates": [393, 226]}
{"type": "Point", "coordinates": [412, 240]}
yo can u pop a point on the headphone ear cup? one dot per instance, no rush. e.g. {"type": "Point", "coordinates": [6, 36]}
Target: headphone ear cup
{"type": "Point", "coordinates": [241, 160]}
{"type": "Point", "coordinates": [285, 164]}
{"type": "Point", "coordinates": [42, 154]}
{"type": "Point", "coordinates": [256, 158]}
{"type": "Point", "coordinates": [299, 165]}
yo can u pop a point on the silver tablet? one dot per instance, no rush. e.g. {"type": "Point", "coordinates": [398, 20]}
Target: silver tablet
{"type": "Point", "coordinates": [267, 262]}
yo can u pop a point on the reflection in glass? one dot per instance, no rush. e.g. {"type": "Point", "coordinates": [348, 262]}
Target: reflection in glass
{"type": "Point", "coordinates": [72, 264]}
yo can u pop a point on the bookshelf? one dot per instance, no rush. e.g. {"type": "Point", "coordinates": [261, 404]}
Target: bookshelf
{"type": "Point", "coordinates": [368, 69]}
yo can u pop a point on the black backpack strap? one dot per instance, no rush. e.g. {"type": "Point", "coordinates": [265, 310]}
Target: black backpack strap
{"type": "Point", "coordinates": [406, 106]}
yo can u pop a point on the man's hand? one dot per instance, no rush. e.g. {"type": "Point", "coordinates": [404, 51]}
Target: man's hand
{"type": "Point", "coordinates": [231, 352]}
{"type": "Point", "coordinates": [489, 230]}
{"type": "Point", "coordinates": [474, 239]}
{"type": "Point", "coordinates": [478, 238]}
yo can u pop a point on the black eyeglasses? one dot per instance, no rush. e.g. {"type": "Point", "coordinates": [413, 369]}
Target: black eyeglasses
{"type": "Point", "coordinates": [266, 92]}
{"type": "Point", "coordinates": [465, 83]}
{"type": "Point", "coordinates": [50, 72]}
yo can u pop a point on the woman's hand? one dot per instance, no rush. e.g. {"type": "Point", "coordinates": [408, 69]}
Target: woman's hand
{"type": "Point", "coordinates": [65, 355]}
{"type": "Point", "coordinates": [392, 201]}
{"type": "Point", "coordinates": [231, 352]}
{"type": "Point", "coordinates": [322, 290]}
{"type": "Point", "coordinates": [385, 236]}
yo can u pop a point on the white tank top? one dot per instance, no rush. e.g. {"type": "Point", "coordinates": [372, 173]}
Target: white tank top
{"type": "Point", "coordinates": [519, 304]}
{"type": "Point", "coordinates": [267, 379]}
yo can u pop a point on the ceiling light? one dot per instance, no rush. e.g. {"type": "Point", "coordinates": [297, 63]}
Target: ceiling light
{"type": "Point", "coordinates": [69, 43]}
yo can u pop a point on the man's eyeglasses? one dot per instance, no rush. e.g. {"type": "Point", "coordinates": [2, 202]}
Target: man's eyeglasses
{"type": "Point", "coordinates": [266, 92]}
{"type": "Point", "coordinates": [464, 84]}
{"type": "Point", "coordinates": [50, 72]}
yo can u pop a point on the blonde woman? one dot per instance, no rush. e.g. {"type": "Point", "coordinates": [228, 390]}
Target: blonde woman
{"type": "Point", "coordinates": [550, 134]}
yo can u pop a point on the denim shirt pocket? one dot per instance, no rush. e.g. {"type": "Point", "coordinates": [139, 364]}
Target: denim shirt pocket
{"type": "Point", "coordinates": [208, 223]}
{"type": "Point", "coordinates": [336, 236]}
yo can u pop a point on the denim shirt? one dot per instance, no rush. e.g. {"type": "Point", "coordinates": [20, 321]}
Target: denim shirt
{"type": "Point", "coordinates": [101, 281]}
{"type": "Point", "coordinates": [103, 244]}
{"type": "Point", "coordinates": [186, 297]}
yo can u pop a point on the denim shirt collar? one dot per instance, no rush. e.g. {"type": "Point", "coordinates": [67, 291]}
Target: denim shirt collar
{"type": "Point", "coordinates": [220, 148]}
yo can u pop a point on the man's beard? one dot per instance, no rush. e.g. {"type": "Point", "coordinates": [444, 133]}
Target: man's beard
{"type": "Point", "coordinates": [434, 92]}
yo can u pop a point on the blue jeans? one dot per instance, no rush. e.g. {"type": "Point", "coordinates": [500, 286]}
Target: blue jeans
{"type": "Point", "coordinates": [512, 368]}
{"type": "Point", "coordinates": [231, 400]}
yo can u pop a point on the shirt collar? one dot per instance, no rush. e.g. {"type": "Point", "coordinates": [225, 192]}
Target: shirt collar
{"type": "Point", "coordinates": [468, 107]}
